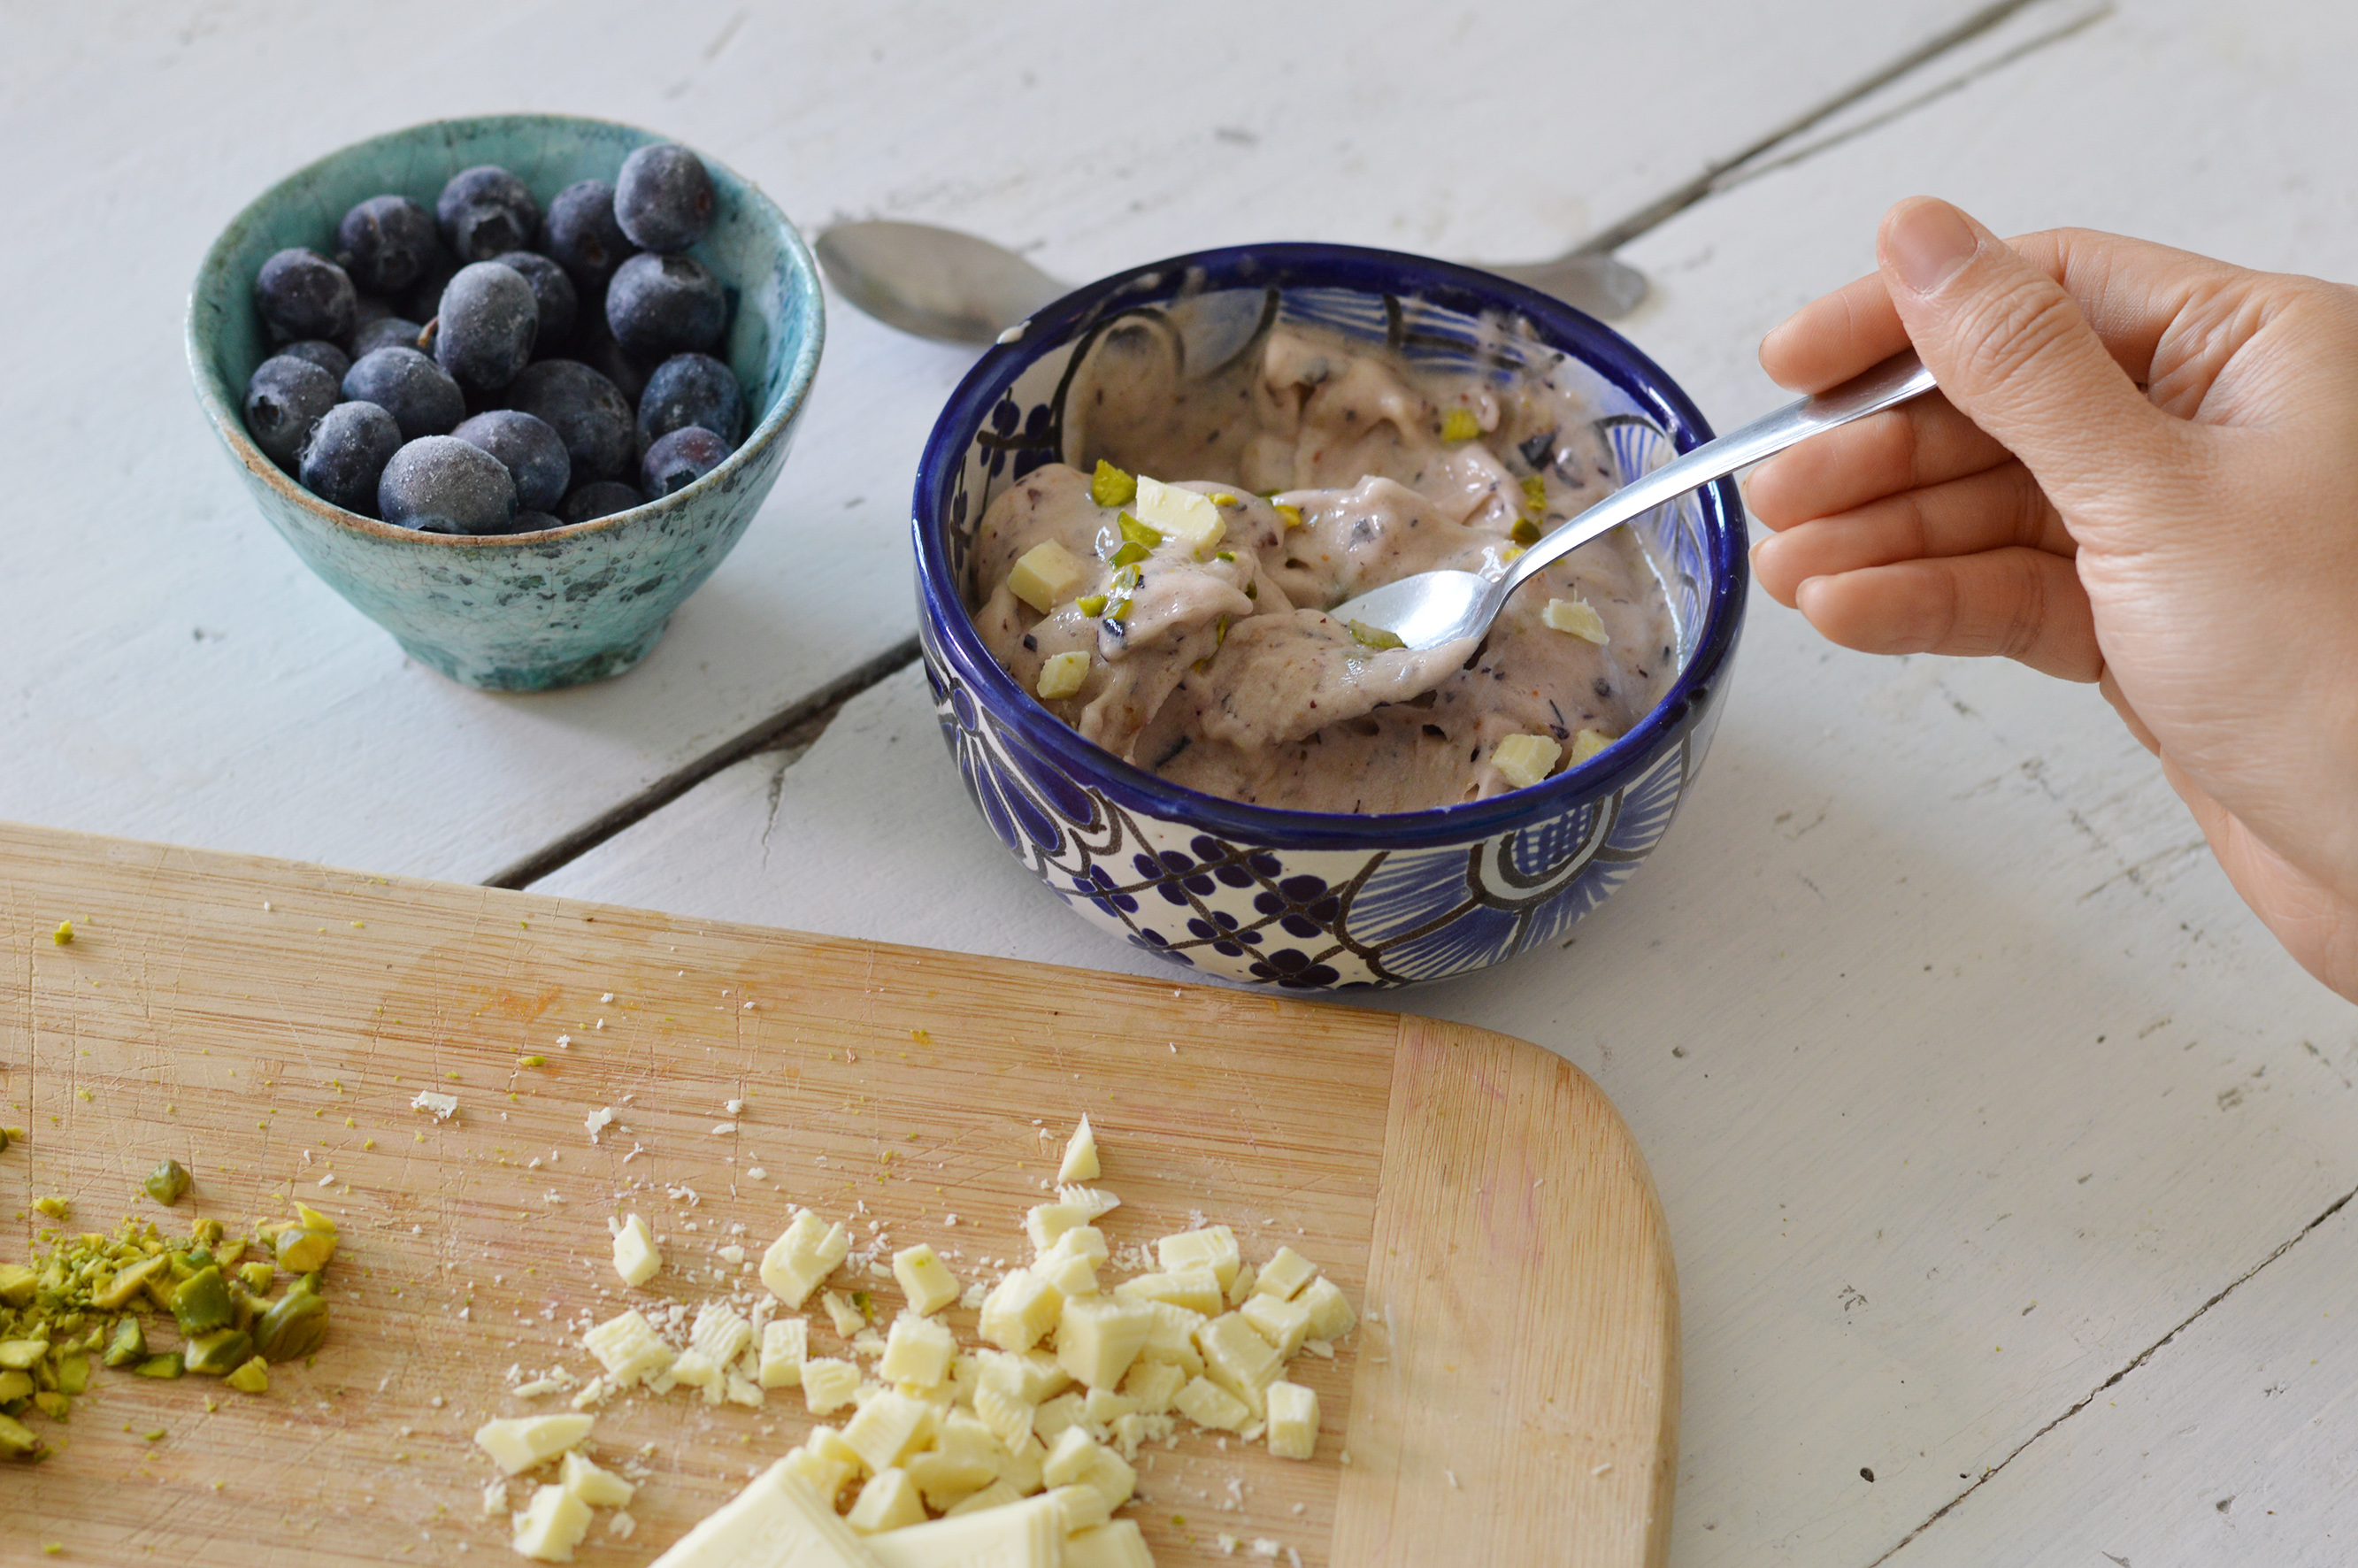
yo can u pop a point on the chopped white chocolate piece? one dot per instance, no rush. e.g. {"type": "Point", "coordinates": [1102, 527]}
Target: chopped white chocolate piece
{"type": "Point", "coordinates": [925, 1279]}
{"type": "Point", "coordinates": [1214, 1246]}
{"type": "Point", "coordinates": [1081, 1241]}
{"type": "Point", "coordinates": [1206, 1403]}
{"type": "Point", "coordinates": [778, 1520]}
{"type": "Point", "coordinates": [847, 1319]}
{"type": "Point", "coordinates": [1173, 1338]}
{"type": "Point", "coordinates": [887, 1429]}
{"type": "Point", "coordinates": [802, 1256]}
{"type": "Point", "coordinates": [1045, 576]}
{"type": "Point", "coordinates": [1577, 616]}
{"type": "Point", "coordinates": [1070, 1275]}
{"type": "Point", "coordinates": [1117, 1544]}
{"type": "Point", "coordinates": [887, 1501]}
{"type": "Point", "coordinates": [1019, 1310]}
{"type": "Point", "coordinates": [785, 1342]}
{"type": "Point", "coordinates": [1133, 1432]}
{"type": "Point", "coordinates": [636, 1257]}
{"type": "Point", "coordinates": [1031, 1375]}
{"type": "Point", "coordinates": [1068, 1458]}
{"type": "Point", "coordinates": [1080, 1162]}
{"type": "Point", "coordinates": [1103, 1407]}
{"type": "Point", "coordinates": [1062, 675]}
{"type": "Point", "coordinates": [1586, 743]}
{"type": "Point", "coordinates": [720, 1332]}
{"type": "Point", "coordinates": [551, 1525]}
{"type": "Point", "coordinates": [1098, 1200]}
{"type": "Point", "coordinates": [1292, 1420]}
{"type": "Point", "coordinates": [964, 1436]}
{"type": "Point", "coordinates": [1153, 1384]}
{"type": "Point", "coordinates": [495, 1498]}
{"type": "Point", "coordinates": [1029, 1534]}
{"type": "Point", "coordinates": [1197, 1288]}
{"type": "Point", "coordinates": [598, 1488]}
{"type": "Point", "coordinates": [1285, 1275]}
{"type": "Point", "coordinates": [1242, 1285]}
{"type": "Point", "coordinates": [1524, 760]}
{"type": "Point", "coordinates": [997, 1494]}
{"type": "Point", "coordinates": [828, 1384]}
{"type": "Point", "coordinates": [444, 1107]}
{"type": "Point", "coordinates": [1098, 1337]}
{"type": "Point", "coordinates": [1056, 1417]}
{"type": "Point", "coordinates": [696, 1370]}
{"type": "Point", "coordinates": [1020, 1468]}
{"type": "Point", "coordinates": [947, 1478]}
{"type": "Point", "coordinates": [1047, 1221]}
{"type": "Point", "coordinates": [918, 1350]}
{"type": "Point", "coordinates": [1285, 1325]}
{"type": "Point", "coordinates": [1080, 1507]}
{"type": "Point", "coordinates": [520, 1443]}
{"type": "Point", "coordinates": [1238, 1359]}
{"type": "Point", "coordinates": [823, 1462]}
{"type": "Point", "coordinates": [621, 1526]}
{"type": "Point", "coordinates": [1008, 1418]}
{"type": "Point", "coordinates": [1331, 1317]}
{"type": "Point", "coordinates": [1188, 513]}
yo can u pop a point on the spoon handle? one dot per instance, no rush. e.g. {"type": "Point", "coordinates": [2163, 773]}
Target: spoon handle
{"type": "Point", "coordinates": [1895, 381]}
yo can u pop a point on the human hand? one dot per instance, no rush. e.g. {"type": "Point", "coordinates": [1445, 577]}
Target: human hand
{"type": "Point", "coordinates": [2142, 470]}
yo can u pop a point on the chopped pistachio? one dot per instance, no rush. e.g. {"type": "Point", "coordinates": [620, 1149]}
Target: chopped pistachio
{"type": "Point", "coordinates": [1063, 675]}
{"type": "Point", "coordinates": [1129, 552]}
{"type": "Point", "coordinates": [303, 1251]}
{"type": "Point", "coordinates": [4, 1140]}
{"type": "Point", "coordinates": [1535, 492]}
{"type": "Point", "coordinates": [256, 1277]}
{"type": "Point", "coordinates": [1111, 487]}
{"type": "Point", "coordinates": [128, 1281]}
{"type": "Point", "coordinates": [15, 1386]}
{"type": "Point", "coordinates": [1524, 532]}
{"type": "Point", "coordinates": [54, 1208]}
{"type": "Point", "coordinates": [168, 1366]}
{"type": "Point", "coordinates": [293, 1327]}
{"type": "Point", "coordinates": [22, 1355]}
{"type": "Point", "coordinates": [1228, 555]}
{"type": "Point", "coordinates": [16, 1437]}
{"type": "Point", "coordinates": [53, 1404]}
{"type": "Point", "coordinates": [1133, 532]}
{"type": "Point", "coordinates": [1368, 636]}
{"type": "Point", "coordinates": [1090, 604]}
{"type": "Point", "coordinates": [252, 1378]}
{"type": "Point", "coordinates": [16, 1284]}
{"type": "Point", "coordinates": [1290, 516]}
{"type": "Point", "coordinates": [1460, 425]}
{"type": "Point", "coordinates": [73, 1373]}
{"type": "Point", "coordinates": [1222, 498]}
{"type": "Point", "coordinates": [167, 1183]}
{"type": "Point", "coordinates": [63, 934]}
{"type": "Point", "coordinates": [202, 1302]}
{"type": "Point", "coordinates": [129, 1344]}
{"type": "Point", "coordinates": [219, 1353]}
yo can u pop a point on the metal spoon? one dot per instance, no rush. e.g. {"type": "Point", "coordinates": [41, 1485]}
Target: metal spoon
{"type": "Point", "coordinates": [961, 289]}
{"type": "Point", "coordinates": [1434, 608]}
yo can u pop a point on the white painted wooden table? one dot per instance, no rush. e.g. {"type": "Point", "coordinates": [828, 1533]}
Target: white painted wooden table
{"type": "Point", "coordinates": [2004, 1153]}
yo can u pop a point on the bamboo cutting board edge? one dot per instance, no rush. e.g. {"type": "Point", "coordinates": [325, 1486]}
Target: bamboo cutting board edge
{"type": "Point", "coordinates": [1515, 1382]}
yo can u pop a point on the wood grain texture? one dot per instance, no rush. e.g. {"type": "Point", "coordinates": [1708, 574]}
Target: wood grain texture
{"type": "Point", "coordinates": [181, 676]}
{"type": "Point", "coordinates": [269, 1024]}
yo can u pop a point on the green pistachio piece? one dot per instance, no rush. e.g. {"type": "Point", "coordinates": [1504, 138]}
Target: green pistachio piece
{"type": "Point", "coordinates": [254, 1378]}
{"type": "Point", "coordinates": [54, 1405]}
{"type": "Point", "coordinates": [16, 1437]}
{"type": "Point", "coordinates": [15, 1386]}
{"type": "Point", "coordinates": [1111, 487]}
{"type": "Point", "coordinates": [256, 1277]}
{"type": "Point", "coordinates": [1368, 636]}
{"type": "Point", "coordinates": [1090, 604]}
{"type": "Point", "coordinates": [18, 1284]}
{"type": "Point", "coordinates": [1128, 553]}
{"type": "Point", "coordinates": [219, 1353]}
{"type": "Point", "coordinates": [302, 1251]}
{"type": "Point", "coordinates": [73, 1374]}
{"type": "Point", "coordinates": [294, 1326]}
{"type": "Point", "coordinates": [128, 1280]}
{"type": "Point", "coordinates": [22, 1354]}
{"type": "Point", "coordinates": [202, 1305]}
{"type": "Point", "coordinates": [167, 1183]}
{"type": "Point", "coordinates": [1137, 533]}
{"type": "Point", "coordinates": [129, 1344]}
{"type": "Point", "coordinates": [166, 1366]}
{"type": "Point", "coordinates": [1524, 532]}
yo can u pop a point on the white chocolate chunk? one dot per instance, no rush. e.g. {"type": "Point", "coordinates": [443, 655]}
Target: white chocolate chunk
{"type": "Point", "coordinates": [1152, 1384]}
{"type": "Point", "coordinates": [1019, 1310]}
{"type": "Point", "coordinates": [1045, 576]}
{"type": "Point", "coordinates": [1173, 1338]}
{"type": "Point", "coordinates": [1081, 1241]}
{"type": "Point", "coordinates": [1098, 1337]}
{"type": "Point", "coordinates": [1080, 1507]}
{"type": "Point", "coordinates": [551, 1525]}
{"type": "Point", "coordinates": [887, 1429]}
{"type": "Point", "coordinates": [947, 1478]}
{"type": "Point", "coordinates": [720, 1332]}
{"type": "Point", "coordinates": [1098, 1200]}
{"type": "Point", "coordinates": [1586, 743]}
{"type": "Point", "coordinates": [1292, 1420]}
{"type": "Point", "coordinates": [1031, 1375]}
{"type": "Point", "coordinates": [1188, 513]}
{"type": "Point", "coordinates": [785, 1342]}
{"type": "Point", "coordinates": [1577, 616]}
{"type": "Point", "coordinates": [918, 1350]}
{"type": "Point", "coordinates": [849, 1320]}
{"type": "Point", "coordinates": [1062, 675]}
{"type": "Point", "coordinates": [1331, 1317]}
{"type": "Point", "coordinates": [598, 1488]}
{"type": "Point", "coordinates": [1285, 1275]}
{"type": "Point", "coordinates": [1117, 1544]}
{"type": "Point", "coordinates": [1285, 1325]}
{"type": "Point", "coordinates": [1071, 1275]}
{"type": "Point", "coordinates": [696, 1370]}
{"type": "Point", "coordinates": [629, 1348]}
{"type": "Point", "coordinates": [1197, 1288]}
{"type": "Point", "coordinates": [828, 1384]}
{"type": "Point", "coordinates": [1206, 1403]}
{"type": "Point", "coordinates": [636, 1257]}
{"type": "Point", "coordinates": [1524, 760]}
{"type": "Point", "coordinates": [1080, 1162]}
{"type": "Point", "coordinates": [804, 1253]}
{"type": "Point", "coordinates": [779, 1521]}
{"type": "Point", "coordinates": [1047, 1221]}
{"type": "Point", "coordinates": [1008, 1418]}
{"type": "Point", "coordinates": [519, 1443]}
{"type": "Point", "coordinates": [823, 1462]}
{"type": "Point", "coordinates": [1214, 1246]}
{"type": "Point", "coordinates": [887, 1501]}
{"type": "Point", "coordinates": [997, 1494]}
{"type": "Point", "coordinates": [925, 1279]}
{"type": "Point", "coordinates": [1029, 1534]}
{"type": "Point", "coordinates": [1238, 1359]}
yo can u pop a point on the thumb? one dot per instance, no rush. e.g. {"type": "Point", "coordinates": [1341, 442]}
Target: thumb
{"type": "Point", "coordinates": [2014, 354]}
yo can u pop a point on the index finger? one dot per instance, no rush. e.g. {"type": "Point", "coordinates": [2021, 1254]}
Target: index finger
{"type": "Point", "coordinates": [2130, 290]}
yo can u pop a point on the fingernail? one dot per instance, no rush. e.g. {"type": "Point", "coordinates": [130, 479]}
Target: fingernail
{"type": "Point", "coordinates": [1928, 244]}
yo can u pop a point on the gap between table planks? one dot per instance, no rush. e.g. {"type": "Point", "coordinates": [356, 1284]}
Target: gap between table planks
{"type": "Point", "coordinates": [1510, 1397]}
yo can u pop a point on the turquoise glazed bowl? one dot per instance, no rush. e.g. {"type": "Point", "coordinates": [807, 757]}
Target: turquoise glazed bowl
{"type": "Point", "coordinates": [1311, 900]}
{"type": "Point", "coordinates": [526, 612]}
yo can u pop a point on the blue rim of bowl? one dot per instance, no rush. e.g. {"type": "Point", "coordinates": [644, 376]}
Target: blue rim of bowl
{"type": "Point", "coordinates": [230, 424]}
{"type": "Point", "coordinates": [1465, 289]}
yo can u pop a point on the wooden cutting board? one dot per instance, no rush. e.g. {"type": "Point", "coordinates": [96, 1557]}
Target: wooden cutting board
{"type": "Point", "coordinates": [1511, 1397]}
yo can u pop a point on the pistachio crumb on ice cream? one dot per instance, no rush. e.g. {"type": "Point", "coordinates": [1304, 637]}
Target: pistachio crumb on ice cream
{"type": "Point", "coordinates": [1181, 623]}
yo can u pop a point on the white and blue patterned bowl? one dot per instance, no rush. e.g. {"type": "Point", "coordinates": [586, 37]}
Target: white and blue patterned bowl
{"type": "Point", "coordinates": [524, 611]}
{"type": "Point", "coordinates": [1309, 900]}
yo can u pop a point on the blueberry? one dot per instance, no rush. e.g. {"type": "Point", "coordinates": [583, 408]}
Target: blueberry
{"type": "Point", "coordinates": [662, 198]}
{"type": "Point", "coordinates": [422, 298]}
{"type": "Point", "coordinates": [691, 389]}
{"type": "Point", "coordinates": [599, 350]}
{"type": "Point", "coordinates": [410, 387]}
{"type": "Point", "coordinates": [302, 294]}
{"type": "Point", "coordinates": [386, 332]}
{"type": "Point", "coordinates": [536, 459]}
{"type": "Point", "coordinates": [484, 331]}
{"type": "Point", "coordinates": [583, 235]}
{"type": "Point", "coordinates": [486, 211]}
{"type": "Point", "coordinates": [385, 242]}
{"type": "Point", "coordinates": [680, 459]}
{"type": "Point", "coordinates": [347, 454]}
{"type": "Point", "coordinates": [284, 400]}
{"type": "Point", "coordinates": [320, 353]}
{"type": "Point", "coordinates": [588, 415]}
{"type": "Point", "coordinates": [662, 305]}
{"type": "Point", "coordinates": [600, 498]}
{"type": "Point", "coordinates": [534, 523]}
{"type": "Point", "coordinates": [559, 301]}
{"type": "Point", "coordinates": [440, 484]}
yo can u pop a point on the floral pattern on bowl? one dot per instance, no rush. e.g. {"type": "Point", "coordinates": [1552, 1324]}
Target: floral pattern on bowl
{"type": "Point", "coordinates": [1301, 899]}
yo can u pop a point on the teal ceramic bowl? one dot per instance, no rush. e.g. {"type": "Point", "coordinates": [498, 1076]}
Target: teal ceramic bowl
{"type": "Point", "coordinates": [527, 611]}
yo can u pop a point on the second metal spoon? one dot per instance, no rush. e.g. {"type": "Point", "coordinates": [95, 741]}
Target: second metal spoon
{"type": "Point", "coordinates": [960, 289]}
{"type": "Point", "coordinates": [1434, 608]}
